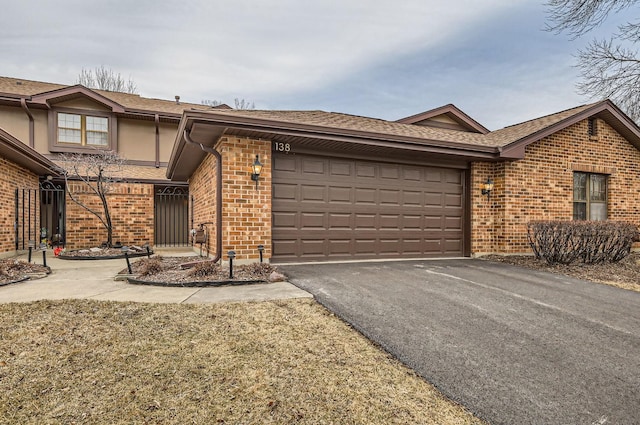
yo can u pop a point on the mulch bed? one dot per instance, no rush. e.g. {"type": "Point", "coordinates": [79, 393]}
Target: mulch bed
{"type": "Point", "coordinates": [623, 274]}
{"type": "Point", "coordinates": [197, 271]}
{"type": "Point", "coordinates": [102, 253]}
{"type": "Point", "coordinates": [13, 271]}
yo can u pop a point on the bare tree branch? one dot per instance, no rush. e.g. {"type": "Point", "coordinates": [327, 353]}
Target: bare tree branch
{"type": "Point", "coordinates": [611, 71]}
{"type": "Point", "coordinates": [103, 78]}
{"type": "Point", "coordinates": [96, 174]}
{"type": "Point", "coordinates": [578, 17]}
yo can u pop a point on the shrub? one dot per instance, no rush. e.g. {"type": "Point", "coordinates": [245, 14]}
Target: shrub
{"type": "Point", "coordinates": [588, 241]}
{"type": "Point", "coordinates": [259, 269]}
{"type": "Point", "coordinates": [204, 268]}
{"type": "Point", "coordinates": [151, 266]}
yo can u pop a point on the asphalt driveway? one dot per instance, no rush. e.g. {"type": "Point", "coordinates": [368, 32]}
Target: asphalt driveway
{"type": "Point", "coordinates": [512, 345]}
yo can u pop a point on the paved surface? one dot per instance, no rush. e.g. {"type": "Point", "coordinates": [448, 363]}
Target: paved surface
{"type": "Point", "coordinates": [514, 346]}
{"type": "Point", "coordinates": [89, 279]}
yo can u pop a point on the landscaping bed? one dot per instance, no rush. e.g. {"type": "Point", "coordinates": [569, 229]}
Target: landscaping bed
{"type": "Point", "coordinates": [198, 271]}
{"type": "Point", "coordinates": [12, 271]}
{"type": "Point", "coordinates": [102, 253]}
{"type": "Point", "coordinates": [623, 274]}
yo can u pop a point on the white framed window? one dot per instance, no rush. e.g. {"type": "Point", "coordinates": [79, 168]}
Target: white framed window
{"type": "Point", "coordinates": [84, 130]}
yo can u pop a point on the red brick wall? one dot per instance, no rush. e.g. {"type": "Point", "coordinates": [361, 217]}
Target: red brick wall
{"type": "Point", "coordinates": [540, 186]}
{"type": "Point", "coordinates": [246, 213]}
{"type": "Point", "coordinates": [202, 188]}
{"type": "Point", "coordinates": [132, 215]}
{"type": "Point", "coordinates": [13, 177]}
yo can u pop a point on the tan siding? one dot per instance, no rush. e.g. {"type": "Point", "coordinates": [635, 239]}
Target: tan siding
{"type": "Point", "coordinates": [15, 122]}
{"type": "Point", "coordinates": [167, 139]}
{"type": "Point", "coordinates": [137, 139]}
{"type": "Point", "coordinates": [83, 103]}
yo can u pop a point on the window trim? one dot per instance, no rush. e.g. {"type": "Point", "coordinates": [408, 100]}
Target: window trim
{"type": "Point", "coordinates": [587, 201]}
{"type": "Point", "coordinates": [55, 146]}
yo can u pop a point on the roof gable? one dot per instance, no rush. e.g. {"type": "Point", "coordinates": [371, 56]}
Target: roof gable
{"type": "Point", "coordinates": [74, 92]}
{"type": "Point", "coordinates": [511, 141]}
{"type": "Point", "coordinates": [447, 116]}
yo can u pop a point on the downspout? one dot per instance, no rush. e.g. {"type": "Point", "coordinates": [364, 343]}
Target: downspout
{"type": "Point", "coordinates": [32, 141]}
{"type": "Point", "coordinates": [157, 120]}
{"type": "Point", "coordinates": [218, 157]}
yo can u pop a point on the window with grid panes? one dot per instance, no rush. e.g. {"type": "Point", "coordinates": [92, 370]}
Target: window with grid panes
{"type": "Point", "coordinates": [85, 130]}
{"type": "Point", "coordinates": [589, 196]}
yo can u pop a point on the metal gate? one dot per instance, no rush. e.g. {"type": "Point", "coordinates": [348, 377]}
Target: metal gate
{"type": "Point", "coordinates": [53, 211]}
{"type": "Point", "coordinates": [171, 215]}
{"type": "Point", "coordinates": [26, 214]}
{"type": "Point", "coordinates": [40, 214]}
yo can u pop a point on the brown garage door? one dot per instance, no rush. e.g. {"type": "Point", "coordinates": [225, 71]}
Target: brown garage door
{"type": "Point", "coordinates": [343, 209]}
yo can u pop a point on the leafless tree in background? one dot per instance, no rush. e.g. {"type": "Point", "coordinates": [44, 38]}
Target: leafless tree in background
{"type": "Point", "coordinates": [238, 103]}
{"type": "Point", "coordinates": [609, 68]}
{"type": "Point", "coordinates": [105, 79]}
{"type": "Point", "coordinates": [92, 174]}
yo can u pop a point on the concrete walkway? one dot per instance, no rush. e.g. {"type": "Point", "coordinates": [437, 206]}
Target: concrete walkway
{"type": "Point", "coordinates": [94, 279]}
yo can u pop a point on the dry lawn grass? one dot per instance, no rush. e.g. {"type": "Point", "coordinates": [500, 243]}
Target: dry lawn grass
{"type": "Point", "coordinates": [237, 363]}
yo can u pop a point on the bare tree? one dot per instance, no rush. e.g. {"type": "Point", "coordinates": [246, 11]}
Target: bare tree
{"type": "Point", "coordinates": [212, 103]}
{"type": "Point", "coordinates": [243, 104]}
{"type": "Point", "coordinates": [609, 68]}
{"type": "Point", "coordinates": [105, 79]}
{"type": "Point", "coordinates": [239, 103]}
{"type": "Point", "coordinates": [92, 174]}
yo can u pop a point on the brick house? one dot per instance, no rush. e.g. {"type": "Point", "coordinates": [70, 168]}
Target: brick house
{"type": "Point", "coordinates": [51, 119]}
{"type": "Point", "coordinates": [332, 186]}
{"type": "Point", "coordinates": [342, 187]}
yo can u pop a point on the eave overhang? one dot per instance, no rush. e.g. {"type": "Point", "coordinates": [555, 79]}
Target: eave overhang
{"type": "Point", "coordinates": [208, 127]}
{"type": "Point", "coordinates": [20, 153]}
{"type": "Point", "coordinates": [605, 110]}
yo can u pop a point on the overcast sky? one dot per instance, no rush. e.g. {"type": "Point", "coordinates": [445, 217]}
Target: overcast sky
{"type": "Point", "coordinates": [384, 59]}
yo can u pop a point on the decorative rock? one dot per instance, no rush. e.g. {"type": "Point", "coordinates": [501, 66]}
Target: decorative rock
{"type": "Point", "coordinates": [85, 251]}
{"type": "Point", "coordinates": [94, 249]}
{"type": "Point", "coordinates": [277, 277]}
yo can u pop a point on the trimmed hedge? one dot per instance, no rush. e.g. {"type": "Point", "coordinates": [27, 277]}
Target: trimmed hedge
{"type": "Point", "coordinates": [587, 241]}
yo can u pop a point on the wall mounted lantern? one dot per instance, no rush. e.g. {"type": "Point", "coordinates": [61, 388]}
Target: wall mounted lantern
{"type": "Point", "coordinates": [487, 187]}
{"type": "Point", "coordinates": [256, 169]}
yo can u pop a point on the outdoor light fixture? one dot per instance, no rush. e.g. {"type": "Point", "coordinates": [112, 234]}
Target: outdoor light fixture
{"type": "Point", "coordinates": [231, 255]}
{"type": "Point", "coordinates": [256, 169]}
{"type": "Point", "coordinates": [487, 187]}
{"type": "Point", "coordinates": [260, 250]}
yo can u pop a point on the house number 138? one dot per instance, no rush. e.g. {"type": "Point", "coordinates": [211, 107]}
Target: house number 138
{"type": "Point", "coordinates": [282, 147]}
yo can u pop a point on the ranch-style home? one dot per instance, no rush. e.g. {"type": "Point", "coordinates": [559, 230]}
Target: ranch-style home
{"type": "Point", "coordinates": [437, 184]}
{"type": "Point", "coordinates": [310, 185]}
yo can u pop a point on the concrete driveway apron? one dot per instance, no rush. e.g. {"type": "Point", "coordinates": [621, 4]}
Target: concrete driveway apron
{"type": "Point", "coordinates": [512, 345]}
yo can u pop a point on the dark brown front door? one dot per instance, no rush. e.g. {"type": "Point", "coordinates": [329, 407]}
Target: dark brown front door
{"type": "Point", "coordinates": [343, 209]}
